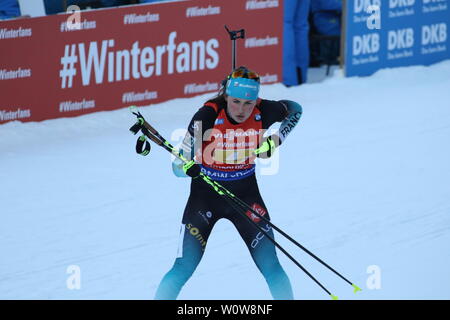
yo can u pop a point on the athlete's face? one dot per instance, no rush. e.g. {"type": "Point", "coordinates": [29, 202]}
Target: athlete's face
{"type": "Point", "coordinates": [240, 109]}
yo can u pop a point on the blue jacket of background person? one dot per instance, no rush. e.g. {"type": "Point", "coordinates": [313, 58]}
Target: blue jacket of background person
{"type": "Point", "coordinates": [326, 16]}
{"type": "Point", "coordinates": [295, 42]}
{"type": "Point", "coordinates": [9, 9]}
{"type": "Point", "coordinates": [56, 6]}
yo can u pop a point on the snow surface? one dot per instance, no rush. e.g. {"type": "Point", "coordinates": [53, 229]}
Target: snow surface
{"type": "Point", "coordinates": [363, 181]}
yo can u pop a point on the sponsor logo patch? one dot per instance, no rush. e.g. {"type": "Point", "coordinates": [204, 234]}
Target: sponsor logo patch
{"type": "Point", "coordinates": [260, 210]}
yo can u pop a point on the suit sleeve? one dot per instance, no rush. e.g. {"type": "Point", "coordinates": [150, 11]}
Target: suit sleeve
{"type": "Point", "coordinates": [295, 112]}
{"type": "Point", "coordinates": [202, 120]}
{"type": "Point", "coordinates": [285, 111]}
{"type": "Point", "coordinates": [272, 111]}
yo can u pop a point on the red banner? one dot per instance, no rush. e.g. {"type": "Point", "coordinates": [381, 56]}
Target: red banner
{"type": "Point", "coordinates": [51, 67]}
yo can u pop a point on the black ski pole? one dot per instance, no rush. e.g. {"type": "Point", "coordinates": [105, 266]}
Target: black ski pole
{"type": "Point", "coordinates": [244, 205]}
{"type": "Point", "coordinates": [242, 213]}
{"type": "Point", "coordinates": [234, 201]}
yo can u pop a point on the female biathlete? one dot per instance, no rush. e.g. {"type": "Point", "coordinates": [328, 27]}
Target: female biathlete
{"type": "Point", "coordinates": [223, 138]}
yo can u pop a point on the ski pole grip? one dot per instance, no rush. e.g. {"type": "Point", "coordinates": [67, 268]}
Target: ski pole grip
{"type": "Point", "coordinates": [136, 127]}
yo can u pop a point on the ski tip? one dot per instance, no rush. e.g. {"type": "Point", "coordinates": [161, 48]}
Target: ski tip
{"type": "Point", "coordinates": [133, 109]}
{"type": "Point", "coordinates": [334, 297]}
{"type": "Point", "coordinates": [356, 288]}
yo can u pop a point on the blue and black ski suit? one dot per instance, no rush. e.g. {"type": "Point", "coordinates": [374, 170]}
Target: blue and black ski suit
{"type": "Point", "coordinates": [205, 207]}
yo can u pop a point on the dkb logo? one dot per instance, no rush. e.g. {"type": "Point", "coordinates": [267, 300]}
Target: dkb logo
{"type": "Point", "coordinates": [434, 33]}
{"type": "Point", "coordinates": [362, 5]}
{"type": "Point", "coordinates": [400, 39]}
{"type": "Point", "coordinates": [366, 44]}
{"type": "Point", "coordinates": [400, 3]}
{"type": "Point", "coordinates": [433, 1]}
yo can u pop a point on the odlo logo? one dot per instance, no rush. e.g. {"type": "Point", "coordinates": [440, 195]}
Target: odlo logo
{"type": "Point", "coordinates": [260, 210]}
{"type": "Point", "coordinates": [260, 236]}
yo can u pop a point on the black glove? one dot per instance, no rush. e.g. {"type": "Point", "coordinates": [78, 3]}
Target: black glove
{"type": "Point", "coordinates": [192, 169]}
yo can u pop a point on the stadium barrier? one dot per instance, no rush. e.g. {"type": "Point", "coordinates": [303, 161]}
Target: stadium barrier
{"type": "Point", "coordinates": [394, 33]}
{"type": "Point", "coordinates": [76, 63]}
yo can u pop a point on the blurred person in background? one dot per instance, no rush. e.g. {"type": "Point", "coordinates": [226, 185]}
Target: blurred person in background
{"type": "Point", "coordinates": [295, 42]}
{"type": "Point", "coordinates": [57, 6]}
{"type": "Point", "coordinates": [9, 9]}
{"type": "Point", "coordinates": [325, 33]}
{"type": "Point", "coordinates": [326, 16]}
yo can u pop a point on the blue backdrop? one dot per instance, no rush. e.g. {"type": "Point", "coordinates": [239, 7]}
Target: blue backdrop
{"type": "Point", "coordinates": [409, 32]}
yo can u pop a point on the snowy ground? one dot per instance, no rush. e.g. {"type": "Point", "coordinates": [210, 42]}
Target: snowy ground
{"type": "Point", "coordinates": [364, 181]}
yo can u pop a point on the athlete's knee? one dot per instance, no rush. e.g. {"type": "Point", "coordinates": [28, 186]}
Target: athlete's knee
{"type": "Point", "coordinates": [271, 269]}
{"type": "Point", "coordinates": [184, 268]}
{"type": "Point", "coordinates": [174, 280]}
{"type": "Point", "coordinates": [277, 279]}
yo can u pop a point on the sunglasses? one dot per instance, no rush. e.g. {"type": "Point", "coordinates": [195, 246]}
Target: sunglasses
{"type": "Point", "coordinates": [244, 73]}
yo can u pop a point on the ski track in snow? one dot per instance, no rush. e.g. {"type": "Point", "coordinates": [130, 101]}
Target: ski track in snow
{"type": "Point", "coordinates": [362, 181]}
